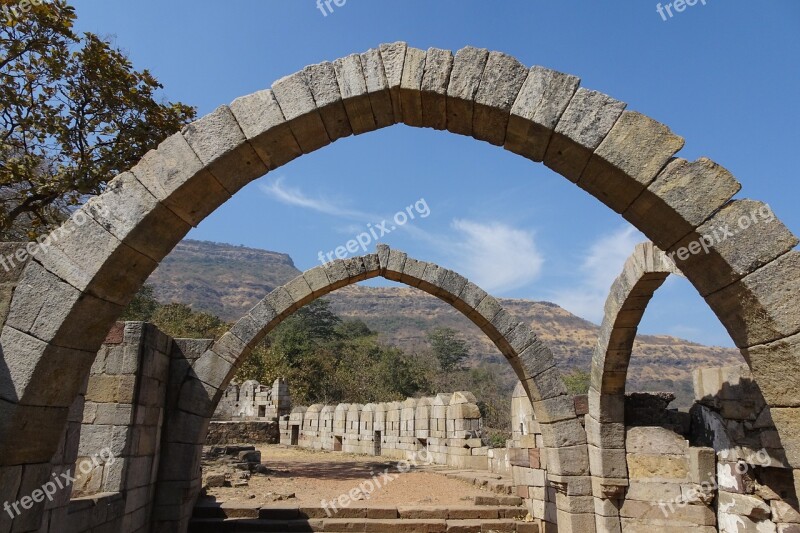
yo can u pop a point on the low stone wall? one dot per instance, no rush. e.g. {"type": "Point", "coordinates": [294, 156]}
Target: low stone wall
{"type": "Point", "coordinates": [445, 429]}
{"type": "Point", "coordinates": [237, 432]}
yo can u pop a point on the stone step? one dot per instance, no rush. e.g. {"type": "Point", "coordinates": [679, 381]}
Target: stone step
{"type": "Point", "coordinates": [487, 511]}
{"type": "Point", "coordinates": [364, 525]}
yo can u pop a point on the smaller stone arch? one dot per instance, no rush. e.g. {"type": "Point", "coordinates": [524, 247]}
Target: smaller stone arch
{"type": "Point", "coordinates": [643, 273]}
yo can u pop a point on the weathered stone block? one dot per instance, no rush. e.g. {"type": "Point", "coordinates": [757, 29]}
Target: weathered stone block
{"type": "Point", "coordinates": [410, 85]}
{"type": "Point", "coordinates": [540, 103]}
{"type": "Point", "coordinates": [438, 66]}
{"type": "Point", "coordinates": [131, 213]}
{"type": "Point", "coordinates": [740, 238]}
{"type": "Point", "coordinates": [658, 467]}
{"type": "Point", "coordinates": [628, 160]}
{"type": "Point", "coordinates": [321, 79]}
{"type": "Point", "coordinates": [393, 57]}
{"type": "Point", "coordinates": [222, 147]}
{"type": "Point", "coordinates": [353, 86]}
{"type": "Point", "coordinates": [300, 291]}
{"type": "Point", "coordinates": [775, 366]}
{"type": "Point", "coordinates": [584, 124]}
{"type": "Point", "coordinates": [761, 307]}
{"type": "Point", "coordinates": [563, 433]}
{"type": "Point", "coordinates": [297, 103]}
{"type": "Point", "coordinates": [265, 127]}
{"type": "Point", "coordinates": [56, 312]}
{"type": "Point", "coordinates": [465, 78]}
{"type": "Point", "coordinates": [683, 196]}
{"type": "Point", "coordinates": [175, 176]}
{"type": "Point", "coordinates": [501, 82]}
{"type": "Point", "coordinates": [655, 440]}
{"type": "Point", "coordinates": [337, 273]}
{"type": "Point", "coordinates": [378, 88]}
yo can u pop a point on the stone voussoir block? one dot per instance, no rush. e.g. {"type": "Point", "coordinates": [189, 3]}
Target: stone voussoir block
{"type": "Point", "coordinates": [177, 178]}
{"type": "Point", "coordinates": [436, 77]}
{"type": "Point", "coordinates": [411, 85]}
{"type": "Point", "coordinates": [223, 149]}
{"type": "Point", "coordinates": [540, 103]}
{"type": "Point", "coordinates": [131, 213]}
{"type": "Point", "coordinates": [380, 97]}
{"type": "Point", "coordinates": [584, 124]}
{"type": "Point", "coordinates": [683, 196]}
{"type": "Point", "coordinates": [260, 117]}
{"type": "Point", "coordinates": [300, 291]}
{"type": "Point", "coordinates": [353, 87]}
{"type": "Point", "coordinates": [630, 157]}
{"type": "Point", "coordinates": [465, 78]}
{"type": "Point", "coordinates": [393, 57]}
{"type": "Point", "coordinates": [321, 79]}
{"type": "Point", "coordinates": [500, 84]}
{"type": "Point", "coordinates": [300, 110]}
{"type": "Point", "coordinates": [740, 238]}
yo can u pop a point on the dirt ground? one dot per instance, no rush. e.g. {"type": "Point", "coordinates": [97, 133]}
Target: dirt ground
{"type": "Point", "coordinates": [314, 476]}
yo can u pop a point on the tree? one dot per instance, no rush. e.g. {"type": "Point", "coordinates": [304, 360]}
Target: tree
{"type": "Point", "coordinates": [577, 381]}
{"type": "Point", "coordinates": [179, 321]}
{"type": "Point", "coordinates": [142, 306]}
{"type": "Point", "coordinates": [448, 348]}
{"type": "Point", "coordinates": [73, 114]}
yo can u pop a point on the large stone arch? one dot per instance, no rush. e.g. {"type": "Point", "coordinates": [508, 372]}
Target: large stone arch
{"type": "Point", "coordinates": [206, 380]}
{"type": "Point", "coordinates": [643, 273]}
{"type": "Point", "coordinates": [67, 298]}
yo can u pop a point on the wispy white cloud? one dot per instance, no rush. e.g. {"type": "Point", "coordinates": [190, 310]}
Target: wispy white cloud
{"type": "Point", "coordinates": [602, 264]}
{"type": "Point", "coordinates": [496, 256]}
{"type": "Point", "coordinates": [279, 191]}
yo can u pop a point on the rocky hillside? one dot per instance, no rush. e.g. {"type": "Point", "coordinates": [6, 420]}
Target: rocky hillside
{"type": "Point", "coordinates": [227, 280]}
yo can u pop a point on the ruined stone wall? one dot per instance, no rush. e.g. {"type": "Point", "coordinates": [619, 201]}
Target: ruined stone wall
{"type": "Point", "coordinates": [445, 429]}
{"type": "Point", "coordinates": [252, 401]}
{"type": "Point", "coordinates": [754, 479]}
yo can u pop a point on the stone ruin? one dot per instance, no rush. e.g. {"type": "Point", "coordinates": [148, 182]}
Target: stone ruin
{"type": "Point", "coordinates": [251, 400]}
{"type": "Point", "coordinates": [154, 401]}
{"type": "Point", "coordinates": [446, 427]}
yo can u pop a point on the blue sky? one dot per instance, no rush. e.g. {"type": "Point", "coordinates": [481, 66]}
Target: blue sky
{"type": "Point", "coordinates": [724, 75]}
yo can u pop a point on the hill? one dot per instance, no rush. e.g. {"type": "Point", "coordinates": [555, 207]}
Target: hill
{"type": "Point", "coordinates": [227, 280]}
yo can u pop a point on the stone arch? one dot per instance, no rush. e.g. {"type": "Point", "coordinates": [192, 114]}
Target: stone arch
{"type": "Point", "coordinates": [67, 298]}
{"type": "Point", "coordinates": [643, 273]}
